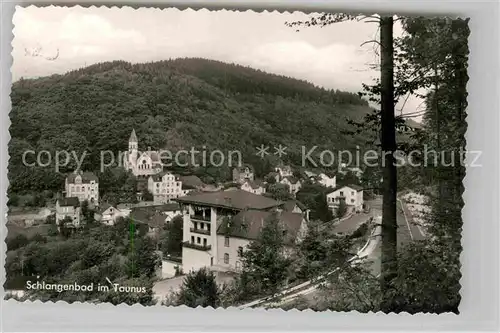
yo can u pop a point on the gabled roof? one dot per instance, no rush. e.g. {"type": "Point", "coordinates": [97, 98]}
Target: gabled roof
{"type": "Point", "coordinates": [234, 199]}
{"type": "Point", "coordinates": [133, 137]}
{"type": "Point", "coordinates": [254, 184]}
{"type": "Point", "coordinates": [291, 179]}
{"type": "Point", "coordinates": [290, 205]}
{"type": "Point", "coordinates": [158, 177]}
{"type": "Point", "coordinates": [248, 224]}
{"type": "Point", "coordinates": [191, 181]}
{"type": "Point", "coordinates": [87, 176]}
{"type": "Point", "coordinates": [69, 202]}
{"type": "Point", "coordinates": [357, 188]}
{"type": "Point", "coordinates": [147, 216]}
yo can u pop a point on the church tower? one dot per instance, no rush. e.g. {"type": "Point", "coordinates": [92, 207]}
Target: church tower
{"type": "Point", "coordinates": [132, 142]}
{"type": "Point", "coordinates": [131, 163]}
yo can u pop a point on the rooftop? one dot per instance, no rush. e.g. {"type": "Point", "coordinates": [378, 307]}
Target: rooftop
{"type": "Point", "coordinates": [87, 176]}
{"type": "Point", "coordinates": [248, 224]}
{"type": "Point", "coordinates": [234, 199]}
{"type": "Point", "coordinates": [69, 202]}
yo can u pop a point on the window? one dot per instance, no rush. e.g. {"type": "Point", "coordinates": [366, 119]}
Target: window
{"type": "Point", "coordinates": [196, 225]}
{"type": "Point", "coordinates": [352, 200]}
{"type": "Point", "coordinates": [352, 192]}
{"type": "Point", "coordinates": [341, 193]}
{"type": "Point", "coordinates": [226, 241]}
{"type": "Point", "coordinates": [204, 242]}
{"type": "Point", "coordinates": [202, 226]}
{"type": "Point", "coordinates": [240, 250]}
{"type": "Point", "coordinates": [198, 240]}
{"type": "Point", "coordinates": [226, 258]}
{"type": "Point", "coordinates": [192, 239]}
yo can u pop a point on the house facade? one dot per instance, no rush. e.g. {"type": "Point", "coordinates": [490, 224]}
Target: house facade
{"type": "Point", "coordinates": [108, 214]}
{"type": "Point", "coordinates": [293, 183]}
{"type": "Point", "coordinates": [284, 171]}
{"type": "Point", "coordinates": [327, 181]}
{"type": "Point", "coordinates": [142, 164]}
{"type": "Point", "coordinates": [255, 187]}
{"type": "Point", "coordinates": [165, 187]}
{"type": "Point", "coordinates": [205, 219]}
{"type": "Point", "coordinates": [242, 174]}
{"type": "Point", "coordinates": [352, 195]}
{"type": "Point", "coordinates": [82, 185]}
{"type": "Point", "coordinates": [68, 207]}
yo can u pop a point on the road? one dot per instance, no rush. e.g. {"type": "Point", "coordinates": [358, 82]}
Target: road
{"type": "Point", "coordinates": [406, 233]}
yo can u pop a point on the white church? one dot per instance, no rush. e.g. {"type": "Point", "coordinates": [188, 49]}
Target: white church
{"type": "Point", "coordinates": [143, 164]}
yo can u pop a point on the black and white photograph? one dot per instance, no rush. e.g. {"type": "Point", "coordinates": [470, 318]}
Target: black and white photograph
{"type": "Point", "coordinates": [243, 159]}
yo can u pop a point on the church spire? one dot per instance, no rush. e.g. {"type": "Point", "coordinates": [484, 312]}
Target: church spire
{"type": "Point", "coordinates": [133, 137]}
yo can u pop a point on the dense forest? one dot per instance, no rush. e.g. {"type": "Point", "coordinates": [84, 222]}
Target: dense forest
{"type": "Point", "coordinates": [173, 104]}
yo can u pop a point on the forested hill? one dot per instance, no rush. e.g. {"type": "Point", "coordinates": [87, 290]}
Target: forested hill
{"type": "Point", "coordinates": [175, 104]}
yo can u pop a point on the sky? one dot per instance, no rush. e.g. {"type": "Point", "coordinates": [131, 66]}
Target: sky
{"type": "Point", "coordinates": [331, 57]}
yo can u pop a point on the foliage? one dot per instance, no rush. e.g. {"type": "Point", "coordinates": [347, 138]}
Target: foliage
{"type": "Point", "coordinates": [313, 196]}
{"type": "Point", "coordinates": [169, 103]}
{"type": "Point", "coordinates": [264, 263]}
{"type": "Point", "coordinates": [200, 289]}
{"type": "Point", "coordinates": [341, 209]}
{"type": "Point", "coordinates": [172, 244]}
{"type": "Point", "coordinates": [280, 192]}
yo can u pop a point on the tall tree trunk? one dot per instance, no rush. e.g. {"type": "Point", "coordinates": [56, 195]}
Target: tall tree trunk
{"type": "Point", "coordinates": [389, 186]}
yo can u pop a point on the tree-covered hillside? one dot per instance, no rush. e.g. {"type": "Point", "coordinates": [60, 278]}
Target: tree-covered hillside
{"type": "Point", "coordinates": [171, 104]}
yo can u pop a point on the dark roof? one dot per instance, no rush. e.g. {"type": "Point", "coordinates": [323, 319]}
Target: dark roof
{"type": "Point", "coordinates": [191, 181]}
{"type": "Point", "coordinates": [255, 184]}
{"type": "Point", "coordinates": [235, 199]}
{"type": "Point", "coordinates": [147, 216]}
{"type": "Point", "coordinates": [66, 202]}
{"type": "Point", "coordinates": [159, 176]}
{"type": "Point", "coordinates": [248, 224]}
{"type": "Point", "coordinates": [291, 179]}
{"type": "Point", "coordinates": [354, 187]}
{"type": "Point", "coordinates": [133, 137]}
{"type": "Point", "coordinates": [170, 207]}
{"type": "Point", "coordinates": [242, 168]}
{"type": "Point", "coordinates": [103, 206]}
{"type": "Point", "coordinates": [290, 205]}
{"type": "Point", "coordinates": [87, 176]}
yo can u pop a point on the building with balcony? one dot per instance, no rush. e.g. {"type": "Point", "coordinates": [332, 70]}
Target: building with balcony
{"type": "Point", "coordinates": [82, 185]}
{"type": "Point", "coordinates": [165, 187]}
{"type": "Point", "coordinates": [352, 195]}
{"type": "Point", "coordinates": [213, 226]}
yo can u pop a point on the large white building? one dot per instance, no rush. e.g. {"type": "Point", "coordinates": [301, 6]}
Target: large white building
{"type": "Point", "coordinates": [165, 187]}
{"type": "Point", "coordinates": [218, 225]}
{"type": "Point", "coordinates": [82, 185]}
{"type": "Point", "coordinates": [141, 163]}
{"type": "Point", "coordinates": [352, 195]}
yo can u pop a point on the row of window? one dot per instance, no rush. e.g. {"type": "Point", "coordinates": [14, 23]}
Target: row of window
{"type": "Point", "coordinates": [199, 240]}
{"type": "Point", "coordinates": [170, 184]}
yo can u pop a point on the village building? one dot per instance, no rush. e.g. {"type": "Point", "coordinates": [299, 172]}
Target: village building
{"type": "Point", "coordinates": [241, 174]}
{"type": "Point", "coordinates": [29, 218]}
{"type": "Point", "coordinates": [108, 214]}
{"type": "Point", "coordinates": [352, 195]}
{"type": "Point", "coordinates": [82, 185]}
{"type": "Point", "coordinates": [164, 187]}
{"type": "Point", "coordinates": [284, 171]}
{"type": "Point", "coordinates": [206, 216]}
{"type": "Point", "coordinates": [327, 181]}
{"type": "Point", "coordinates": [295, 206]}
{"type": "Point", "coordinates": [255, 187]}
{"type": "Point", "coordinates": [293, 183]}
{"type": "Point", "coordinates": [68, 207]}
{"type": "Point", "coordinates": [170, 211]}
{"type": "Point", "coordinates": [150, 217]}
{"type": "Point", "coordinates": [141, 164]}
